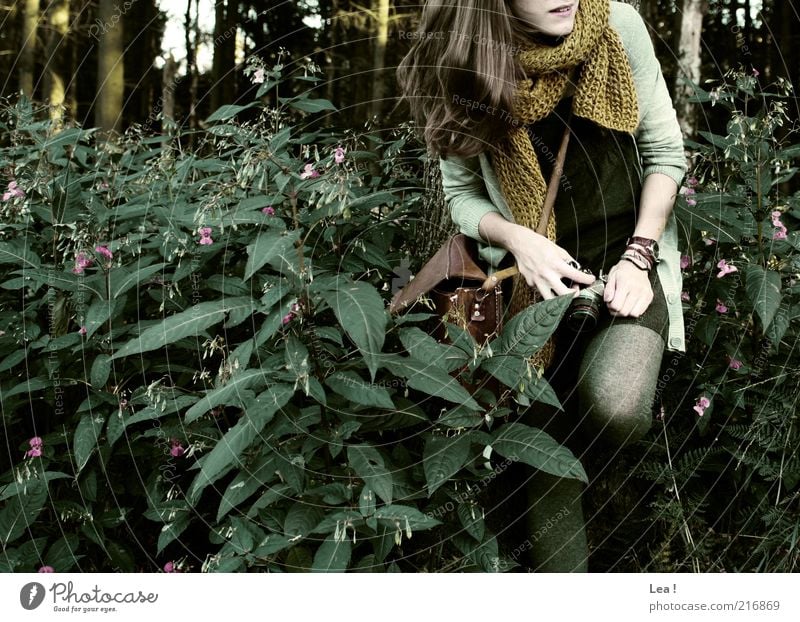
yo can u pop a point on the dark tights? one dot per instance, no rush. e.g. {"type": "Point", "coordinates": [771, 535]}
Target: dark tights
{"type": "Point", "coordinates": [606, 382]}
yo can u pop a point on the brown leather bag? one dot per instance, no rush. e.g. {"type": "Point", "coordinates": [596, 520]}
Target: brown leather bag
{"type": "Point", "coordinates": [461, 291]}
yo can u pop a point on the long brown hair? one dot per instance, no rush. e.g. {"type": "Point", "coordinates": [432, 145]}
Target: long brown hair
{"type": "Point", "coordinates": [460, 74]}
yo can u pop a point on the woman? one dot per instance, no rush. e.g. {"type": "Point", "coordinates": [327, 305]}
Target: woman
{"type": "Point", "coordinates": [492, 84]}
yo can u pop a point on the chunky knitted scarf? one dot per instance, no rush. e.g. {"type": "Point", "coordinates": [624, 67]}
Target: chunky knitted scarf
{"type": "Point", "coordinates": [604, 93]}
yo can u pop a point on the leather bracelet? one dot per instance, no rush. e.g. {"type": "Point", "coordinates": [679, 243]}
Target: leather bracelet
{"type": "Point", "coordinates": [635, 260]}
{"type": "Point", "coordinates": [642, 252]}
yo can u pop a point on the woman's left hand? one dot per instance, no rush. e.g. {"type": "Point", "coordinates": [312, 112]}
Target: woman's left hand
{"type": "Point", "coordinates": [628, 291]}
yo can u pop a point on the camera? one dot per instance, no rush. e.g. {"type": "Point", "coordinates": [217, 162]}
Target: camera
{"type": "Point", "coordinates": [584, 309]}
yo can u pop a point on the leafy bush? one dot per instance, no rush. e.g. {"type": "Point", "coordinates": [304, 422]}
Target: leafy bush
{"type": "Point", "coordinates": [730, 460]}
{"type": "Point", "coordinates": [199, 369]}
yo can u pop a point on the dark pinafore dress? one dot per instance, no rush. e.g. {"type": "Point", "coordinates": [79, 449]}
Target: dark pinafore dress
{"type": "Point", "coordinates": [598, 201]}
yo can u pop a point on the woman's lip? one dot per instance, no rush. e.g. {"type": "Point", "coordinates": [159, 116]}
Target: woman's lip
{"type": "Point", "coordinates": [560, 9]}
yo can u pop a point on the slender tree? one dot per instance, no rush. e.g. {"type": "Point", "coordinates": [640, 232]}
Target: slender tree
{"type": "Point", "coordinates": [689, 61]}
{"type": "Point", "coordinates": [56, 70]}
{"type": "Point", "coordinates": [110, 68]}
{"type": "Point", "coordinates": [27, 54]}
{"type": "Point", "coordinates": [381, 11]}
{"type": "Point", "coordinates": [224, 69]}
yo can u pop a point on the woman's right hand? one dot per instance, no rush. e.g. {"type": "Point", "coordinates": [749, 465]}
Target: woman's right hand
{"type": "Point", "coordinates": [544, 263]}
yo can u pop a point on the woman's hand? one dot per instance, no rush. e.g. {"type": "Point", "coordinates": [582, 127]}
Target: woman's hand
{"type": "Point", "coordinates": [543, 263]}
{"type": "Point", "coordinates": [628, 291]}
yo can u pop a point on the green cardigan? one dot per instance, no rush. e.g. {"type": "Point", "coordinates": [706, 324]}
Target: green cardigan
{"type": "Point", "coordinates": [471, 188]}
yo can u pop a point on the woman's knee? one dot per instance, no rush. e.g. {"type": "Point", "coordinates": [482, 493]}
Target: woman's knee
{"type": "Point", "coordinates": [616, 413]}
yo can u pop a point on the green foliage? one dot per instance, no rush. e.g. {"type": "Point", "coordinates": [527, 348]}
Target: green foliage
{"type": "Point", "coordinates": [731, 475]}
{"type": "Point", "coordinates": [200, 339]}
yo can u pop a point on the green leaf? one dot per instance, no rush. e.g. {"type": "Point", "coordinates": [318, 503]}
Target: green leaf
{"type": "Point", "coordinates": [309, 105]}
{"type": "Point", "coordinates": [18, 253]}
{"type": "Point", "coordinates": [529, 329]}
{"type": "Point", "coordinates": [352, 387]}
{"type": "Point", "coordinates": [403, 516]}
{"type": "Point", "coordinates": [228, 111]}
{"type": "Point", "coordinates": [21, 512]}
{"type": "Point", "coordinates": [269, 245]}
{"type": "Point", "coordinates": [429, 379]}
{"type": "Point", "coordinates": [471, 520]}
{"type": "Point", "coordinates": [301, 519]}
{"type": "Point", "coordinates": [532, 446]}
{"type": "Point", "coordinates": [368, 464]}
{"type": "Point", "coordinates": [246, 483]}
{"type": "Point", "coordinates": [228, 394]}
{"type": "Point", "coordinates": [230, 447]}
{"type": "Point", "coordinates": [187, 323]}
{"type": "Point", "coordinates": [421, 346]}
{"type": "Point", "coordinates": [85, 439]}
{"type": "Point", "coordinates": [332, 556]}
{"type": "Point", "coordinates": [99, 312]}
{"type": "Point", "coordinates": [361, 312]}
{"type": "Point", "coordinates": [764, 291]}
{"type": "Point", "coordinates": [61, 555]}
{"type": "Point", "coordinates": [122, 279]}
{"type": "Point", "coordinates": [101, 369]}
{"type": "Point", "coordinates": [443, 457]}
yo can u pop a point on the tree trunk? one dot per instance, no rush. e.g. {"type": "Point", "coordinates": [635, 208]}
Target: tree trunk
{"type": "Point", "coordinates": [110, 69]}
{"type": "Point", "coordinates": [689, 62]}
{"type": "Point", "coordinates": [223, 89]}
{"type": "Point", "coordinates": [379, 57]}
{"type": "Point", "coordinates": [56, 74]}
{"type": "Point", "coordinates": [27, 54]}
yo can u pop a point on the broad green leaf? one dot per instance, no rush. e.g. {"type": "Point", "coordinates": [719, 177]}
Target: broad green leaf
{"type": "Point", "coordinates": [529, 329]}
{"type": "Point", "coordinates": [268, 245]}
{"type": "Point", "coordinates": [301, 519]}
{"type": "Point", "coordinates": [99, 312]}
{"type": "Point", "coordinates": [187, 323]}
{"type": "Point", "coordinates": [368, 464]}
{"type": "Point", "coordinates": [429, 379]}
{"type": "Point", "coordinates": [764, 291]}
{"type": "Point", "coordinates": [351, 386]}
{"type": "Point", "coordinates": [516, 373]}
{"type": "Point", "coordinates": [404, 517]}
{"type": "Point", "coordinates": [18, 253]}
{"type": "Point", "coordinates": [309, 105]}
{"type": "Point", "coordinates": [228, 111]}
{"type": "Point", "coordinates": [227, 394]}
{"type": "Point", "coordinates": [443, 457]}
{"type": "Point", "coordinates": [230, 447]}
{"type": "Point", "coordinates": [19, 514]}
{"type": "Point", "coordinates": [361, 312]}
{"type": "Point", "coordinates": [471, 519]}
{"type": "Point", "coordinates": [123, 278]}
{"type": "Point", "coordinates": [246, 483]}
{"type": "Point", "coordinates": [535, 447]}
{"type": "Point", "coordinates": [101, 369]}
{"type": "Point", "coordinates": [332, 555]}
{"type": "Point", "coordinates": [421, 346]}
{"type": "Point", "coordinates": [85, 440]}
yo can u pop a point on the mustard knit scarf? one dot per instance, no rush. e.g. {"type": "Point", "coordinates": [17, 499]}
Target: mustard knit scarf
{"type": "Point", "coordinates": [604, 93]}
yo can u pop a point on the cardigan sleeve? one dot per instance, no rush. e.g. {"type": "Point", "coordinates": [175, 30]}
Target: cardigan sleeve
{"type": "Point", "coordinates": [658, 137]}
{"type": "Point", "coordinates": [465, 193]}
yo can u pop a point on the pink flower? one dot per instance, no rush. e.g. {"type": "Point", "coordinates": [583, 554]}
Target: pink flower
{"type": "Point", "coordinates": [269, 210]}
{"type": "Point", "coordinates": [287, 318]}
{"type": "Point", "coordinates": [34, 452]}
{"type": "Point", "coordinates": [309, 172]}
{"type": "Point", "coordinates": [338, 156]}
{"type": "Point", "coordinates": [724, 268]}
{"type": "Point", "coordinates": [170, 567]}
{"type": "Point", "coordinates": [721, 308]}
{"type": "Point", "coordinates": [205, 236]}
{"type": "Point", "coordinates": [36, 441]}
{"type": "Point", "coordinates": [685, 296]}
{"type": "Point", "coordinates": [46, 569]}
{"type": "Point", "coordinates": [780, 234]}
{"type": "Point", "coordinates": [177, 449]}
{"type": "Point", "coordinates": [258, 76]}
{"type": "Point", "coordinates": [103, 250]}
{"type": "Point", "coordinates": [734, 363]}
{"type": "Point", "coordinates": [691, 182]}
{"type": "Point", "coordinates": [691, 202]}
{"type": "Point", "coordinates": [709, 241]}
{"type": "Point", "coordinates": [689, 191]}
{"type": "Point", "coordinates": [686, 261]}
{"type": "Point", "coordinates": [701, 405]}
{"type": "Point", "coordinates": [82, 261]}
{"type": "Point", "coordinates": [756, 73]}
{"type": "Point", "coordinates": [13, 191]}
{"type": "Point", "coordinates": [82, 330]}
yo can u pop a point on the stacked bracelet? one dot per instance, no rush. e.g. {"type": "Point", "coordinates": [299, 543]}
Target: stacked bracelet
{"type": "Point", "coordinates": [640, 253]}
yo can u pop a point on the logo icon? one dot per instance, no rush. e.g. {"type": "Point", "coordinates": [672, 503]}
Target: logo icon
{"type": "Point", "coordinates": [31, 595]}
